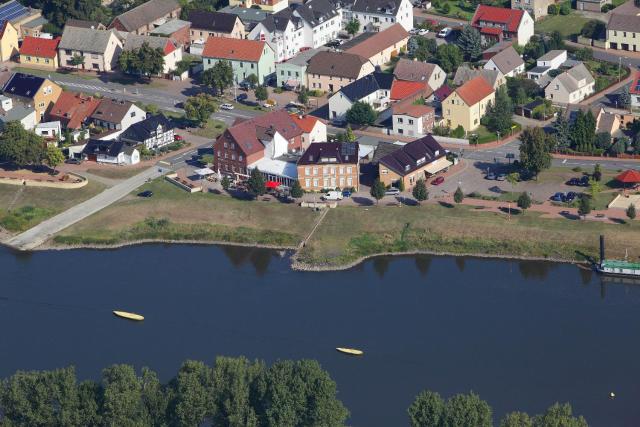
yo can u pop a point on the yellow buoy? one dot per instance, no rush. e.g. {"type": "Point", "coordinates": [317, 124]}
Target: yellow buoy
{"type": "Point", "coordinates": [350, 351]}
{"type": "Point", "coordinates": [127, 315]}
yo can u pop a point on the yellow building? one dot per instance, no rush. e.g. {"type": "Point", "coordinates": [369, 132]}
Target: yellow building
{"type": "Point", "coordinates": [466, 105]}
{"type": "Point", "coordinates": [623, 28]}
{"type": "Point", "coordinates": [40, 52]}
{"type": "Point", "coordinates": [39, 92]}
{"type": "Point", "coordinates": [271, 6]}
{"type": "Point", "coordinates": [8, 41]}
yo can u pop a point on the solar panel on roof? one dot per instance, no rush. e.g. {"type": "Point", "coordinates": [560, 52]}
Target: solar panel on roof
{"type": "Point", "coordinates": [12, 10]}
{"type": "Point", "coordinates": [347, 149]}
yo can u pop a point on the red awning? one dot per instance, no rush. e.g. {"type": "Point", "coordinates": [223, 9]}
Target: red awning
{"type": "Point", "coordinates": [629, 176]}
{"type": "Point", "coordinates": [272, 184]}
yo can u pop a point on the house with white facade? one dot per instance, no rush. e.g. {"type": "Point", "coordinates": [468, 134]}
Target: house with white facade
{"type": "Point", "coordinates": [49, 130]}
{"type": "Point", "coordinates": [111, 152]}
{"type": "Point", "coordinates": [313, 129]}
{"type": "Point", "coordinates": [172, 52]}
{"type": "Point", "coordinates": [508, 62]}
{"type": "Point", "coordinates": [377, 15]}
{"type": "Point", "coordinates": [634, 90]}
{"type": "Point", "coordinates": [153, 132]}
{"type": "Point", "coordinates": [498, 24]}
{"type": "Point", "coordinates": [99, 49]}
{"type": "Point", "coordinates": [118, 115]}
{"type": "Point", "coordinates": [373, 89]}
{"type": "Point", "coordinates": [551, 60]}
{"type": "Point", "coordinates": [411, 119]}
{"type": "Point", "coordinates": [571, 87]}
{"type": "Point", "coordinates": [11, 111]}
{"type": "Point", "coordinates": [417, 71]}
{"type": "Point", "coordinates": [299, 27]}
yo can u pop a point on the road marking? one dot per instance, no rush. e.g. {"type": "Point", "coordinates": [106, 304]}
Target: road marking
{"type": "Point", "coordinates": [164, 162]}
{"type": "Point", "coordinates": [564, 161]}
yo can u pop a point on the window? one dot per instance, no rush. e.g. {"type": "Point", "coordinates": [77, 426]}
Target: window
{"type": "Point", "coordinates": [307, 182]}
{"type": "Point", "coordinates": [240, 157]}
{"type": "Point", "coordinates": [399, 119]}
{"type": "Point", "coordinates": [307, 172]}
{"type": "Point", "coordinates": [315, 171]}
{"type": "Point", "coordinates": [133, 114]}
{"type": "Point", "coordinates": [410, 121]}
{"type": "Point", "coordinates": [349, 169]}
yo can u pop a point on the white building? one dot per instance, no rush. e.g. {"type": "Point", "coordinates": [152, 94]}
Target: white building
{"type": "Point", "coordinates": [115, 114]}
{"type": "Point", "coordinates": [153, 132]}
{"type": "Point", "coordinates": [373, 89]}
{"type": "Point", "coordinates": [111, 152]}
{"type": "Point", "coordinates": [507, 61]}
{"type": "Point", "coordinates": [551, 60]}
{"type": "Point", "coordinates": [376, 15]}
{"type": "Point", "coordinates": [23, 113]}
{"type": "Point", "coordinates": [49, 130]}
{"type": "Point", "coordinates": [571, 87]}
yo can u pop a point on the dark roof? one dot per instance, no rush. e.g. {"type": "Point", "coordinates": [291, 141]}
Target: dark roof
{"type": "Point", "coordinates": [383, 149]}
{"type": "Point", "coordinates": [147, 128]}
{"type": "Point", "coordinates": [330, 153]}
{"type": "Point", "coordinates": [367, 85]}
{"type": "Point", "coordinates": [111, 147]}
{"type": "Point", "coordinates": [376, 6]}
{"type": "Point", "coordinates": [79, 23]}
{"type": "Point", "coordinates": [414, 155]}
{"type": "Point", "coordinates": [336, 64]}
{"type": "Point", "coordinates": [315, 12]}
{"type": "Point", "coordinates": [111, 110]}
{"type": "Point", "coordinates": [145, 13]}
{"type": "Point", "coordinates": [625, 17]}
{"type": "Point", "coordinates": [218, 22]}
{"type": "Point", "coordinates": [24, 85]}
{"type": "Point", "coordinates": [279, 21]}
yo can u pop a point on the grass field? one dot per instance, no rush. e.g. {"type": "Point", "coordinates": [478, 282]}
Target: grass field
{"type": "Point", "coordinates": [23, 207]}
{"type": "Point", "coordinates": [116, 172]}
{"type": "Point", "coordinates": [174, 214]}
{"type": "Point", "coordinates": [212, 129]}
{"type": "Point", "coordinates": [566, 25]}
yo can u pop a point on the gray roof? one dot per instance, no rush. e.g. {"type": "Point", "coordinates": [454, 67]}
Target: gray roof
{"type": "Point", "coordinates": [507, 60]}
{"type": "Point", "coordinates": [145, 13]}
{"type": "Point", "coordinates": [414, 71]}
{"type": "Point", "coordinates": [315, 12]}
{"type": "Point", "coordinates": [17, 113]}
{"type": "Point", "coordinates": [570, 79]}
{"type": "Point", "coordinates": [551, 55]}
{"type": "Point", "coordinates": [625, 17]}
{"type": "Point", "coordinates": [303, 57]}
{"type": "Point", "coordinates": [381, 7]}
{"type": "Point", "coordinates": [246, 15]}
{"type": "Point", "coordinates": [367, 85]}
{"type": "Point", "coordinates": [39, 21]}
{"type": "Point", "coordinates": [464, 74]}
{"type": "Point", "coordinates": [170, 27]}
{"type": "Point", "coordinates": [134, 41]}
{"type": "Point", "coordinates": [538, 70]}
{"type": "Point", "coordinates": [85, 39]}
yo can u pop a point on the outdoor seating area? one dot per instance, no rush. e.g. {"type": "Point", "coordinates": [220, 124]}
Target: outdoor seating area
{"type": "Point", "coordinates": [41, 179]}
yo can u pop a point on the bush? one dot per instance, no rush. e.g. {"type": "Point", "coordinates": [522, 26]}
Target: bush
{"type": "Point", "coordinates": [446, 8]}
{"type": "Point", "coordinates": [458, 132]}
{"type": "Point", "coordinates": [553, 9]}
{"type": "Point", "coordinates": [607, 7]}
{"type": "Point", "coordinates": [565, 8]}
{"type": "Point", "coordinates": [278, 90]}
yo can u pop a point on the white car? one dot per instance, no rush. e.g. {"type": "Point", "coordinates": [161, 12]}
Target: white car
{"type": "Point", "coordinates": [423, 32]}
{"type": "Point", "coordinates": [226, 107]}
{"type": "Point", "coordinates": [444, 32]}
{"type": "Point", "coordinates": [332, 195]}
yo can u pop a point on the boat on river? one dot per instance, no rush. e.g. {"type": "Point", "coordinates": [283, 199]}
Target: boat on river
{"type": "Point", "coordinates": [129, 316]}
{"type": "Point", "coordinates": [350, 351]}
{"type": "Point", "coordinates": [614, 267]}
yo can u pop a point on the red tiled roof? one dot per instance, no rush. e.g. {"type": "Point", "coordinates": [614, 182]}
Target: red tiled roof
{"type": "Point", "coordinates": [635, 85]}
{"type": "Point", "coordinates": [443, 92]}
{"type": "Point", "coordinates": [495, 31]}
{"type": "Point", "coordinates": [238, 49]}
{"type": "Point", "coordinates": [410, 109]}
{"type": "Point", "coordinates": [43, 48]}
{"type": "Point", "coordinates": [306, 123]}
{"type": "Point", "coordinates": [509, 17]}
{"type": "Point", "coordinates": [474, 91]}
{"type": "Point", "coordinates": [73, 109]}
{"type": "Point", "coordinates": [401, 89]}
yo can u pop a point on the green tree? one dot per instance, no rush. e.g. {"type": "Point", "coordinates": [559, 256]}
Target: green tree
{"type": "Point", "coordinates": [423, 48]}
{"type": "Point", "coordinates": [21, 147]}
{"type": "Point", "coordinates": [303, 95]}
{"type": "Point", "coordinates": [349, 136]}
{"type": "Point", "coordinates": [593, 29]}
{"type": "Point", "coordinates": [559, 415]}
{"type": "Point", "coordinates": [458, 196]}
{"type": "Point", "coordinates": [361, 113]}
{"type": "Point", "coordinates": [232, 382]}
{"type": "Point", "coordinates": [602, 140]}
{"type": "Point", "coordinates": [352, 27]}
{"type": "Point", "coordinates": [427, 410]}
{"type": "Point", "coordinates": [219, 77]}
{"type": "Point", "coordinates": [420, 192]}
{"type": "Point", "coordinates": [296, 190]}
{"type": "Point", "coordinates": [565, 8]}
{"type": "Point", "coordinates": [534, 154]}
{"type": "Point", "coordinates": [53, 157]}
{"type": "Point", "coordinates": [89, 396]}
{"type": "Point", "coordinates": [261, 93]}
{"type": "Point", "coordinates": [619, 146]}
{"type": "Point", "coordinates": [252, 79]}
{"type": "Point", "coordinates": [584, 54]}
{"type": "Point", "coordinates": [597, 172]}
{"type": "Point", "coordinates": [377, 190]}
{"type": "Point", "coordinates": [76, 60]}
{"type": "Point", "coordinates": [449, 57]}
{"type": "Point", "coordinates": [144, 60]}
{"type": "Point", "coordinates": [513, 178]}
{"type": "Point", "coordinates": [524, 201]}
{"type": "Point", "coordinates": [122, 397]}
{"type": "Point", "coordinates": [225, 182]}
{"type": "Point", "coordinates": [192, 394]}
{"type": "Point", "coordinates": [467, 410]}
{"type": "Point", "coordinates": [470, 43]}
{"type": "Point", "coordinates": [631, 211]}
{"type": "Point", "coordinates": [154, 399]}
{"type": "Point", "coordinates": [594, 187]}
{"type": "Point", "coordinates": [584, 206]}
{"type": "Point", "coordinates": [498, 117]}
{"type": "Point", "coordinates": [198, 108]}
{"type": "Point", "coordinates": [516, 419]}
{"type": "Point", "coordinates": [256, 183]}
{"type": "Point", "coordinates": [624, 99]}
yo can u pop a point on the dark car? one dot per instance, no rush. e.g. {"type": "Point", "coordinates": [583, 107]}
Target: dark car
{"type": "Point", "coordinates": [242, 97]}
{"type": "Point", "coordinates": [339, 122]}
{"type": "Point", "coordinates": [333, 43]}
{"type": "Point", "coordinates": [346, 193]}
{"type": "Point", "coordinates": [573, 181]}
{"type": "Point", "coordinates": [73, 161]}
{"type": "Point", "coordinates": [570, 197]}
{"type": "Point", "coordinates": [439, 180]}
{"type": "Point", "coordinates": [584, 181]}
{"type": "Point", "coordinates": [558, 197]}
{"type": "Point", "coordinates": [147, 193]}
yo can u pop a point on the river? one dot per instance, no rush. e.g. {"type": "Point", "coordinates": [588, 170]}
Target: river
{"type": "Point", "coordinates": [522, 334]}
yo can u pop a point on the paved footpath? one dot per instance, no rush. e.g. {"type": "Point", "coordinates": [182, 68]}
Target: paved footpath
{"type": "Point", "coordinates": [39, 234]}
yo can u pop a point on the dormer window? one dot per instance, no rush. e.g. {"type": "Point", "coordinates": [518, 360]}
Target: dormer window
{"type": "Point", "coordinates": [406, 168]}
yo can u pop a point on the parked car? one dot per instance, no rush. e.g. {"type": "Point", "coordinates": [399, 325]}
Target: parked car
{"type": "Point", "coordinates": [438, 180]}
{"type": "Point", "coordinates": [393, 191]}
{"type": "Point", "coordinates": [490, 175]}
{"type": "Point", "coordinates": [570, 197]}
{"type": "Point", "coordinates": [339, 122]}
{"type": "Point", "coordinates": [444, 33]}
{"type": "Point", "coordinates": [414, 31]}
{"type": "Point", "coordinates": [574, 181]}
{"type": "Point", "coordinates": [558, 197]}
{"type": "Point", "coordinates": [333, 43]}
{"type": "Point", "coordinates": [346, 193]}
{"type": "Point", "coordinates": [423, 32]}
{"type": "Point", "coordinates": [501, 177]}
{"type": "Point", "coordinates": [178, 138]}
{"type": "Point", "coordinates": [584, 181]}
{"type": "Point", "coordinates": [226, 106]}
{"type": "Point", "coordinates": [147, 193]}
{"type": "Point", "coordinates": [332, 195]}
{"type": "Point", "coordinates": [242, 97]}
{"type": "Point", "coordinates": [73, 161]}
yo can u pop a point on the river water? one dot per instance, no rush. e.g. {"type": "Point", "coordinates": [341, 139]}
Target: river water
{"type": "Point", "coordinates": [521, 334]}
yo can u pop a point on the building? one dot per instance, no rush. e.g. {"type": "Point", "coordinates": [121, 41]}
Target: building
{"type": "Point", "coordinates": [73, 110]}
{"type": "Point", "coordinates": [16, 112]}
{"type": "Point", "coordinates": [176, 29]}
{"type": "Point", "coordinates": [250, 17]}
{"type": "Point", "coordinates": [497, 24]}
{"type": "Point", "coordinates": [417, 71]}
{"type": "Point", "coordinates": [508, 62]}
{"type": "Point", "coordinates": [153, 132]}
{"type": "Point", "coordinates": [571, 87]}
{"type": "Point", "coordinates": [205, 24]}
{"type": "Point", "coordinates": [148, 16]}
{"type": "Point", "coordinates": [8, 41]}
{"type": "Point", "coordinates": [271, 6]}
{"type": "Point", "coordinates": [634, 90]}
{"type": "Point", "coordinates": [377, 15]}
{"type": "Point", "coordinates": [79, 23]}
{"type": "Point", "coordinates": [99, 48]}
{"type": "Point", "coordinates": [262, 142]}
{"type": "Point", "coordinates": [111, 152]}
{"type": "Point", "coordinates": [313, 130]}
{"type": "Point", "coordinates": [292, 73]}
{"type": "Point", "coordinates": [172, 52]}
{"type": "Point", "coordinates": [373, 89]}
{"type": "Point", "coordinates": [494, 49]}
{"type": "Point", "coordinates": [463, 74]}
{"type": "Point", "coordinates": [39, 92]}
{"type": "Point", "coordinates": [331, 71]}
{"type": "Point", "coordinates": [536, 8]}
{"type": "Point", "coordinates": [246, 57]}
{"type": "Point", "coordinates": [383, 46]}
{"type": "Point", "coordinates": [329, 165]}
{"type": "Point", "coordinates": [416, 160]}
{"type": "Point", "coordinates": [33, 28]}
{"type": "Point", "coordinates": [115, 114]}
{"type": "Point", "coordinates": [40, 52]}
{"type": "Point", "coordinates": [50, 131]}
{"type": "Point", "coordinates": [411, 119]}
{"type": "Point", "coordinates": [591, 5]}
{"type": "Point", "coordinates": [467, 104]}
{"type": "Point", "coordinates": [401, 89]}
{"type": "Point", "coordinates": [551, 60]}
{"type": "Point", "coordinates": [19, 15]}
{"type": "Point", "coordinates": [306, 26]}
{"type": "Point", "coordinates": [623, 28]}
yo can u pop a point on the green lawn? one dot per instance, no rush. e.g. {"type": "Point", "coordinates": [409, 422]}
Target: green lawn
{"type": "Point", "coordinates": [567, 25]}
{"type": "Point", "coordinates": [212, 129]}
{"type": "Point", "coordinates": [455, 11]}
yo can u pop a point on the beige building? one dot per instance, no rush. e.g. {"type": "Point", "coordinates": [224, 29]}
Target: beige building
{"type": "Point", "coordinates": [623, 28]}
{"type": "Point", "coordinates": [466, 105]}
{"type": "Point", "coordinates": [329, 165]}
{"type": "Point", "coordinates": [383, 46]}
{"type": "Point", "coordinates": [330, 71]}
{"type": "Point", "coordinates": [146, 17]}
{"type": "Point", "coordinates": [8, 41]}
{"type": "Point", "coordinates": [536, 8]}
{"type": "Point", "coordinates": [571, 87]}
{"type": "Point", "coordinates": [33, 90]}
{"type": "Point", "coordinates": [206, 24]}
{"type": "Point", "coordinates": [99, 48]}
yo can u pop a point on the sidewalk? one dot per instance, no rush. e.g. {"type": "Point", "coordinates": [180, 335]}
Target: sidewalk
{"type": "Point", "coordinates": [621, 53]}
{"type": "Point", "coordinates": [605, 92]}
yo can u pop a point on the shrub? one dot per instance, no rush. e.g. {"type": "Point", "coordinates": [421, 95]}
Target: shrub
{"type": "Point", "coordinates": [278, 90]}
{"type": "Point", "coordinates": [553, 9]}
{"type": "Point", "coordinates": [565, 8]}
{"type": "Point", "coordinates": [458, 132]}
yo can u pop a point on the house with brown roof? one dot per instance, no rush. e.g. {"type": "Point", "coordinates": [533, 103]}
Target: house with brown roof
{"type": "Point", "coordinates": [416, 160]}
{"type": "Point", "coordinates": [467, 104]}
{"type": "Point", "coordinates": [329, 165]}
{"type": "Point", "coordinates": [117, 115]}
{"type": "Point", "coordinates": [145, 18]}
{"type": "Point", "coordinates": [245, 56]}
{"type": "Point", "coordinates": [411, 119]}
{"type": "Point", "coordinates": [331, 71]}
{"type": "Point", "coordinates": [73, 110]}
{"type": "Point", "coordinates": [313, 129]}
{"type": "Point", "coordinates": [418, 71]}
{"type": "Point", "coordinates": [623, 28]}
{"type": "Point", "coordinates": [464, 73]}
{"type": "Point", "coordinates": [100, 49]}
{"type": "Point", "coordinates": [80, 23]}
{"type": "Point", "coordinates": [260, 142]}
{"type": "Point", "coordinates": [205, 24]}
{"type": "Point", "coordinates": [507, 61]}
{"type": "Point", "coordinates": [382, 46]}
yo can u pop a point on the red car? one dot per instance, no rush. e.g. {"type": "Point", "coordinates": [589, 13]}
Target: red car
{"type": "Point", "coordinates": [439, 180]}
{"type": "Point", "coordinates": [178, 138]}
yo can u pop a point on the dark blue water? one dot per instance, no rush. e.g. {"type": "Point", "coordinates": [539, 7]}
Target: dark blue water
{"type": "Point", "coordinates": [521, 334]}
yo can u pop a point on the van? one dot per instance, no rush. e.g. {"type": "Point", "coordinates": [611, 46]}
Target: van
{"type": "Point", "coordinates": [332, 195]}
